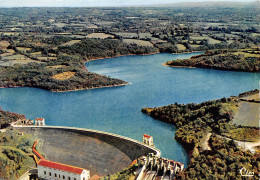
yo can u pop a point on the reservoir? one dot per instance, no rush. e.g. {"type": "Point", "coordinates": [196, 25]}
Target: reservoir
{"type": "Point", "coordinates": [118, 109]}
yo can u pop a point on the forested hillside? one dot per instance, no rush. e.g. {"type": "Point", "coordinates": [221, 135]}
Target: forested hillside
{"type": "Point", "coordinates": [222, 159]}
{"type": "Point", "coordinates": [232, 61]}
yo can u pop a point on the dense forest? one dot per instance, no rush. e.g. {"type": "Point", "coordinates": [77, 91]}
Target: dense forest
{"type": "Point", "coordinates": [194, 122]}
{"type": "Point", "coordinates": [224, 161]}
{"type": "Point", "coordinates": [102, 48]}
{"type": "Point", "coordinates": [223, 61]}
{"type": "Point", "coordinates": [67, 73]}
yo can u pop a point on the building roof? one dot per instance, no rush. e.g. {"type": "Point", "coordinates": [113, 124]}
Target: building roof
{"type": "Point", "coordinates": [147, 136]}
{"type": "Point", "coordinates": [39, 119]}
{"type": "Point", "coordinates": [60, 166]}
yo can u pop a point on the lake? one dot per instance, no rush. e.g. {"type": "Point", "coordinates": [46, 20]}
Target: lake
{"type": "Point", "coordinates": [118, 109]}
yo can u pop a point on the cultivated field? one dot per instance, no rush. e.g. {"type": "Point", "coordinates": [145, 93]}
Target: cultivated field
{"type": "Point", "coordinates": [99, 36]}
{"type": "Point", "coordinates": [211, 40]}
{"type": "Point", "coordinates": [138, 42]}
{"type": "Point", "coordinates": [246, 54]}
{"type": "Point", "coordinates": [22, 61]}
{"type": "Point", "coordinates": [70, 43]}
{"type": "Point", "coordinates": [57, 66]}
{"type": "Point", "coordinates": [127, 35]}
{"type": "Point", "coordinates": [194, 45]}
{"type": "Point", "coordinates": [64, 75]}
{"type": "Point", "coordinates": [248, 114]}
{"type": "Point", "coordinates": [47, 58]}
{"type": "Point", "coordinates": [181, 47]}
{"type": "Point", "coordinates": [24, 49]}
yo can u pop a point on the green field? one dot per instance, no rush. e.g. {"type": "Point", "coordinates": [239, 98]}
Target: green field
{"type": "Point", "coordinates": [247, 115]}
{"type": "Point", "coordinates": [181, 47]}
{"type": "Point", "coordinates": [70, 43]}
{"type": "Point", "coordinates": [99, 36]}
{"type": "Point", "coordinates": [138, 42]}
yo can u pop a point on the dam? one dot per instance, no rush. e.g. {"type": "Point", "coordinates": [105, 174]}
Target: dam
{"type": "Point", "coordinates": [100, 152]}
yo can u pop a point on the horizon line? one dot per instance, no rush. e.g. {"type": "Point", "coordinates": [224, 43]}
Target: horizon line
{"type": "Point", "coordinates": [144, 5]}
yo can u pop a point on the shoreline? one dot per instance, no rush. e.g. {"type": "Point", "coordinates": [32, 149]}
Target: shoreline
{"type": "Point", "coordinates": [179, 66]}
{"type": "Point", "coordinates": [118, 85]}
{"type": "Point", "coordinates": [87, 60]}
{"type": "Point", "coordinates": [69, 90]}
{"type": "Point", "coordinates": [93, 59]}
{"type": "Point", "coordinates": [212, 68]}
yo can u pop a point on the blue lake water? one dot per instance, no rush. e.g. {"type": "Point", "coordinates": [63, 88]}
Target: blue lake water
{"type": "Point", "coordinates": [117, 109]}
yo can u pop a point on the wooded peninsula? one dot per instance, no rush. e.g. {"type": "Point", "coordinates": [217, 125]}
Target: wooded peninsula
{"type": "Point", "coordinates": [210, 137]}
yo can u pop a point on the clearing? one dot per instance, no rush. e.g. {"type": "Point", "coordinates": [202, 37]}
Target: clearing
{"type": "Point", "coordinates": [22, 61]}
{"type": "Point", "coordinates": [248, 112]}
{"type": "Point", "coordinates": [70, 43]}
{"type": "Point", "coordinates": [99, 36]}
{"type": "Point", "coordinates": [64, 75]}
{"type": "Point", "coordinates": [181, 47]}
{"type": "Point", "coordinates": [57, 66]}
{"type": "Point", "coordinates": [138, 42]}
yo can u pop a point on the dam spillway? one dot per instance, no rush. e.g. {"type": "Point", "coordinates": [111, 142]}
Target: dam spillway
{"type": "Point", "coordinates": [100, 152]}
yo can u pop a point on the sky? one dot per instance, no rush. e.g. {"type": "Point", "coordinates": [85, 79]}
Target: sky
{"type": "Point", "coordinates": [91, 3]}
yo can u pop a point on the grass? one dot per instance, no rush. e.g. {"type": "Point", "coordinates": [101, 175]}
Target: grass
{"type": "Point", "coordinates": [47, 58]}
{"type": "Point", "coordinates": [14, 154]}
{"type": "Point", "coordinates": [70, 43]}
{"type": "Point", "coordinates": [198, 37]}
{"type": "Point", "coordinates": [181, 47]}
{"type": "Point", "coordinates": [23, 49]}
{"type": "Point", "coordinates": [127, 35]}
{"type": "Point", "coordinates": [4, 44]}
{"type": "Point", "coordinates": [15, 57]}
{"type": "Point", "coordinates": [145, 35]}
{"type": "Point", "coordinates": [244, 134]}
{"type": "Point", "coordinates": [57, 66]}
{"type": "Point", "coordinates": [36, 53]}
{"type": "Point", "coordinates": [194, 45]}
{"type": "Point", "coordinates": [255, 34]}
{"type": "Point", "coordinates": [11, 34]}
{"type": "Point", "coordinates": [211, 40]}
{"type": "Point", "coordinates": [138, 42]}
{"type": "Point", "coordinates": [22, 61]}
{"type": "Point", "coordinates": [125, 174]}
{"type": "Point", "coordinates": [99, 36]}
{"type": "Point", "coordinates": [8, 53]}
{"type": "Point", "coordinates": [247, 114]}
{"type": "Point", "coordinates": [64, 75]}
{"type": "Point", "coordinates": [246, 54]}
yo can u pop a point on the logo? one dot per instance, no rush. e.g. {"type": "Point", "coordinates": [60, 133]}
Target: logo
{"type": "Point", "coordinates": [245, 172]}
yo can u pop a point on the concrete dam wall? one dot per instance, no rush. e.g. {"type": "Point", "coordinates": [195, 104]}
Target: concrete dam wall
{"type": "Point", "coordinates": [97, 151]}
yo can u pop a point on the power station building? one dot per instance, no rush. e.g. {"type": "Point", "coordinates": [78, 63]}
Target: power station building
{"type": "Point", "coordinates": [53, 170]}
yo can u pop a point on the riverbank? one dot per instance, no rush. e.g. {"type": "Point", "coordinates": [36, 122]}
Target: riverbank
{"type": "Point", "coordinates": [108, 57]}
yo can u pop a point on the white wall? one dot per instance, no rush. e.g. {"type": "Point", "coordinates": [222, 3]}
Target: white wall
{"type": "Point", "coordinates": [41, 174]}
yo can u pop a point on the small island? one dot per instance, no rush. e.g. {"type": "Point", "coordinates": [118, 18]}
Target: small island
{"type": "Point", "coordinates": [247, 60]}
